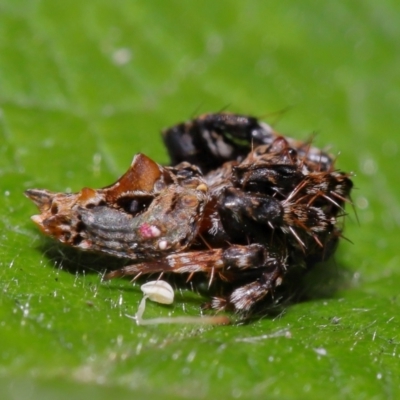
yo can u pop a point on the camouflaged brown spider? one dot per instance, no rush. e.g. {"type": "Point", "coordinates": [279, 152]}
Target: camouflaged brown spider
{"type": "Point", "coordinates": [240, 204]}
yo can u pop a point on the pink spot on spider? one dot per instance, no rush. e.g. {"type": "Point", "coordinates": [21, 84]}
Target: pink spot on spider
{"type": "Point", "coordinates": [148, 231]}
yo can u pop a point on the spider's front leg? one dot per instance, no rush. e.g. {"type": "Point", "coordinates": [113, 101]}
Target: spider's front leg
{"type": "Point", "coordinates": [212, 139]}
{"type": "Point", "coordinates": [252, 271]}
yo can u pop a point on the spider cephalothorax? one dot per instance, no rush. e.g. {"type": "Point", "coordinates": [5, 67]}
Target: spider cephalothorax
{"type": "Point", "coordinates": [239, 204]}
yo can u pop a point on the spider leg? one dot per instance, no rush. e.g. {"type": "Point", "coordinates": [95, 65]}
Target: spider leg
{"type": "Point", "coordinates": [206, 261]}
{"type": "Point", "coordinates": [212, 139]}
{"type": "Point", "coordinates": [243, 298]}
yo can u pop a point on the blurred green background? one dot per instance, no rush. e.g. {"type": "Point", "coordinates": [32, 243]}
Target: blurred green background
{"type": "Point", "coordinates": [84, 85]}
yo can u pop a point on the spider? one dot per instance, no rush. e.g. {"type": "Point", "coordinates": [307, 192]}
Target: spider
{"type": "Point", "coordinates": [240, 204]}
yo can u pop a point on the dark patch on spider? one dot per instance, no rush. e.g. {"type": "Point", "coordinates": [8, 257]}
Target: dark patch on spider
{"type": "Point", "coordinates": [240, 211]}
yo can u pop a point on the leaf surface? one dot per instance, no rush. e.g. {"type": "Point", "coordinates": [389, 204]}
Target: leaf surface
{"type": "Point", "coordinates": [86, 85]}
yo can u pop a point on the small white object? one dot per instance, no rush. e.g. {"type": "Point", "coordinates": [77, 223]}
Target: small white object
{"type": "Point", "coordinates": [162, 292]}
{"type": "Point", "coordinates": [155, 232]}
{"type": "Point", "coordinates": [321, 351]}
{"type": "Point", "coordinates": [162, 244]}
{"type": "Point", "coordinates": [122, 56]}
{"type": "Point", "coordinates": [158, 291]}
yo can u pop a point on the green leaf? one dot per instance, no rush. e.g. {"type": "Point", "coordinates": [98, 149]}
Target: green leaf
{"type": "Point", "coordinates": [86, 85]}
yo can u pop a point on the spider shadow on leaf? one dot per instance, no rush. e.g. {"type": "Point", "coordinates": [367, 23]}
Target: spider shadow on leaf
{"type": "Point", "coordinates": [321, 281]}
{"type": "Point", "coordinates": [80, 263]}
